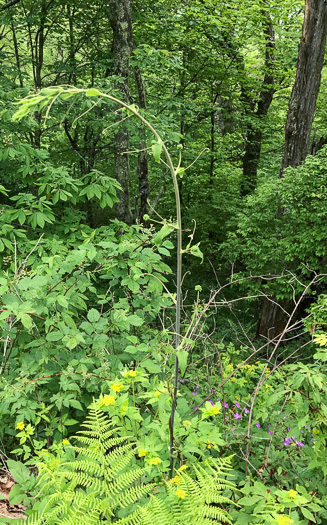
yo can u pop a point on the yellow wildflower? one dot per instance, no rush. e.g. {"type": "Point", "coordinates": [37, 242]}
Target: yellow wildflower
{"type": "Point", "coordinates": [157, 393]}
{"type": "Point", "coordinates": [141, 452]}
{"type": "Point", "coordinates": [21, 425]}
{"type": "Point", "coordinates": [183, 467]}
{"type": "Point", "coordinates": [107, 400]}
{"type": "Point", "coordinates": [284, 520]}
{"type": "Point", "coordinates": [315, 431]}
{"type": "Point", "coordinates": [268, 386]}
{"type": "Point", "coordinates": [257, 362]}
{"type": "Point", "coordinates": [65, 442]}
{"type": "Point", "coordinates": [233, 379]}
{"type": "Point", "coordinates": [292, 493]}
{"type": "Point", "coordinates": [187, 423]}
{"type": "Point", "coordinates": [117, 387]}
{"type": "Point", "coordinates": [132, 373]}
{"type": "Point", "coordinates": [155, 461]}
{"type": "Point", "coordinates": [175, 481]}
{"type": "Point", "coordinates": [237, 398]}
{"type": "Point", "coordinates": [180, 493]}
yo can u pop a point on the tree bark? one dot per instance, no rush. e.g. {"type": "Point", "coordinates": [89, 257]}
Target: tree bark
{"type": "Point", "coordinates": [300, 115]}
{"type": "Point", "coordinates": [121, 24]}
{"type": "Point", "coordinates": [305, 91]}
{"type": "Point", "coordinates": [253, 143]}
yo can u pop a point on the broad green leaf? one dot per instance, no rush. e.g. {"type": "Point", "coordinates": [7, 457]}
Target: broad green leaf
{"type": "Point", "coordinates": [182, 360]}
{"type": "Point", "coordinates": [93, 315]}
{"type": "Point", "coordinates": [162, 233]}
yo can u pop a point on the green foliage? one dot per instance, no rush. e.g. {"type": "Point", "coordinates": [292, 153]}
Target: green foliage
{"type": "Point", "coordinates": [97, 480]}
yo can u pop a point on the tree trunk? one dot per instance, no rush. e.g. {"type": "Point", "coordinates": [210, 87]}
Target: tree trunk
{"type": "Point", "coordinates": [305, 91]}
{"type": "Point", "coordinates": [300, 115]}
{"type": "Point", "coordinates": [121, 24]}
{"type": "Point", "coordinates": [253, 143]}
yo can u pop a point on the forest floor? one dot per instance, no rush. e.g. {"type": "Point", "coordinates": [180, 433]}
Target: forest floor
{"type": "Point", "coordinates": [7, 510]}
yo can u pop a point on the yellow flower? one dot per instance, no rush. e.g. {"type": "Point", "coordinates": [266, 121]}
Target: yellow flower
{"type": "Point", "coordinates": [257, 362]}
{"type": "Point", "coordinates": [187, 423]}
{"type": "Point", "coordinates": [107, 400]}
{"type": "Point", "coordinates": [183, 467]}
{"type": "Point", "coordinates": [132, 373]}
{"type": "Point", "coordinates": [268, 386]}
{"type": "Point", "coordinates": [155, 461]}
{"type": "Point", "coordinates": [237, 398]}
{"type": "Point", "coordinates": [21, 425]}
{"type": "Point", "coordinates": [315, 431]}
{"type": "Point", "coordinates": [292, 493]}
{"type": "Point", "coordinates": [284, 520]}
{"type": "Point", "coordinates": [175, 481]}
{"type": "Point", "coordinates": [141, 452]}
{"type": "Point", "coordinates": [215, 410]}
{"type": "Point", "coordinates": [233, 379]}
{"type": "Point", "coordinates": [117, 387]}
{"type": "Point", "coordinates": [180, 493]}
{"type": "Point", "coordinates": [157, 393]}
{"type": "Point", "coordinates": [65, 442]}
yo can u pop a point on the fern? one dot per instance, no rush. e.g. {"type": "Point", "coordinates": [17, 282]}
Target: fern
{"type": "Point", "coordinates": [101, 479]}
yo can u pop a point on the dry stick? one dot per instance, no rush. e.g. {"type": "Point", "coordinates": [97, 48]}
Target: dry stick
{"type": "Point", "coordinates": [266, 365]}
{"type": "Point", "coordinates": [244, 362]}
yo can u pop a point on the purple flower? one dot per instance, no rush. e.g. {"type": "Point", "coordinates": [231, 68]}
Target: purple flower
{"type": "Point", "coordinates": [194, 393]}
{"type": "Point", "coordinates": [197, 387]}
{"type": "Point", "coordinates": [299, 443]}
{"type": "Point", "coordinates": [195, 408]}
{"type": "Point", "coordinates": [237, 404]}
{"type": "Point", "coordinates": [286, 441]}
{"type": "Point", "coordinates": [288, 429]}
{"type": "Point", "coordinates": [225, 405]}
{"type": "Point", "coordinates": [257, 425]}
{"type": "Point", "coordinates": [270, 432]}
{"type": "Point", "coordinates": [212, 403]}
{"type": "Point", "coordinates": [246, 410]}
{"type": "Point", "coordinates": [218, 399]}
{"type": "Point", "coordinates": [182, 380]}
{"type": "Point", "coordinates": [233, 429]}
{"type": "Point", "coordinates": [59, 357]}
{"type": "Point", "coordinates": [210, 391]}
{"type": "Point", "coordinates": [301, 431]}
{"type": "Point", "coordinates": [237, 416]}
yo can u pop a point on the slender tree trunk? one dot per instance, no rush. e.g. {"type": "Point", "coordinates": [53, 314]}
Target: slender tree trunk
{"type": "Point", "coordinates": [253, 143]}
{"type": "Point", "coordinates": [121, 24]}
{"type": "Point", "coordinates": [142, 166]}
{"type": "Point", "coordinates": [300, 115]}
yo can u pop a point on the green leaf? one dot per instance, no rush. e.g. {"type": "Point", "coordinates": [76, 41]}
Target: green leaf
{"type": "Point", "coordinates": [93, 92]}
{"type": "Point", "coordinates": [19, 472]}
{"type": "Point", "coordinates": [62, 301]}
{"type": "Point", "coordinates": [134, 320]}
{"type": "Point", "coordinates": [162, 233]}
{"type": "Point", "coordinates": [16, 495]}
{"type": "Point", "coordinates": [307, 514]}
{"type": "Point", "coordinates": [182, 360]}
{"type": "Point", "coordinates": [195, 250]}
{"type": "Point", "coordinates": [26, 320]}
{"type": "Point", "coordinates": [93, 315]}
{"type": "Point", "coordinates": [156, 150]}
